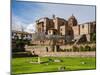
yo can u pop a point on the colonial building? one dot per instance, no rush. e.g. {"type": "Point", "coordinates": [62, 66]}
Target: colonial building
{"type": "Point", "coordinates": [21, 35]}
{"type": "Point", "coordinates": [18, 37]}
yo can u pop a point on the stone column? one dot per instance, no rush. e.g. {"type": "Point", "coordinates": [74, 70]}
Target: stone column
{"type": "Point", "coordinates": [39, 60]}
{"type": "Point", "coordinates": [88, 37]}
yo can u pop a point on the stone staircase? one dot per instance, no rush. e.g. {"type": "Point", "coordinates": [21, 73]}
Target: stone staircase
{"type": "Point", "coordinates": [77, 39]}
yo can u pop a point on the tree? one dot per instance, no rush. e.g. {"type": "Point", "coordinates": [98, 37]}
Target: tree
{"type": "Point", "coordinates": [93, 37]}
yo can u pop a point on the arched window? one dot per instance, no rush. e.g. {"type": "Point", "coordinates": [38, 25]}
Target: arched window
{"type": "Point", "coordinates": [54, 33]}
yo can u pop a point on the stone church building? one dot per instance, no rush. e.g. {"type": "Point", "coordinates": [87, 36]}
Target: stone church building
{"type": "Point", "coordinates": [65, 27]}
{"type": "Point", "coordinates": [72, 33]}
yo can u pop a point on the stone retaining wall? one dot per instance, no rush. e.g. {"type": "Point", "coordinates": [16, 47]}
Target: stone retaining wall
{"type": "Point", "coordinates": [42, 51]}
{"type": "Point", "coordinates": [78, 45]}
{"type": "Point", "coordinates": [67, 54]}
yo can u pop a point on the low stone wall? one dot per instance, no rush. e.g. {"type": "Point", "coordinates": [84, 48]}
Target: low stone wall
{"type": "Point", "coordinates": [43, 48]}
{"type": "Point", "coordinates": [42, 51]}
{"type": "Point", "coordinates": [38, 49]}
{"type": "Point", "coordinates": [78, 45]}
{"type": "Point", "coordinates": [67, 54]}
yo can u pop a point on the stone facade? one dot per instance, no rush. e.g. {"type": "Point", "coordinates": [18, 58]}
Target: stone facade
{"type": "Point", "coordinates": [46, 51]}
{"type": "Point", "coordinates": [44, 24]}
{"type": "Point", "coordinates": [68, 28]}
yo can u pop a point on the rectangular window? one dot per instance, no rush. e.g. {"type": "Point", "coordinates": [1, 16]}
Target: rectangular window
{"type": "Point", "coordinates": [61, 29]}
{"type": "Point", "coordinates": [82, 26]}
{"type": "Point", "coordinates": [49, 31]}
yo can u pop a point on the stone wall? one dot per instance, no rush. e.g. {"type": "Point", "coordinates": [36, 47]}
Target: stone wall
{"type": "Point", "coordinates": [84, 29]}
{"type": "Point", "coordinates": [59, 22]}
{"type": "Point", "coordinates": [68, 54]}
{"type": "Point", "coordinates": [76, 30]}
{"type": "Point", "coordinates": [62, 30]}
{"type": "Point", "coordinates": [47, 48]}
{"type": "Point", "coordinates": [38, 49]}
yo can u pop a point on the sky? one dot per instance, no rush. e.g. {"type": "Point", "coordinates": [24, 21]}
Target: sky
{"type": "Point", "coordinates": [24, 13]}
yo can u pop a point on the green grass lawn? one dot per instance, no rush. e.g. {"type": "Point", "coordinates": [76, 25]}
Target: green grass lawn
{"type": "Point", "coordinates": [23, 65]}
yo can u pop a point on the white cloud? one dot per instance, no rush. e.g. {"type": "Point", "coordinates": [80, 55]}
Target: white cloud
{"type": "Point", "coordinates": [30, 28]}
{"type": "Point", "coordinates": [17, 23]}
{"type": "Point", "coordinates": [82, 14]}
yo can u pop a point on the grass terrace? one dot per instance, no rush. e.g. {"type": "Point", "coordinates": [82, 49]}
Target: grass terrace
{"type": "Point", "coordinates": [22, 65]}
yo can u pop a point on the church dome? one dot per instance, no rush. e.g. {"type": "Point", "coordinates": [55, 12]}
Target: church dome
{"type": "Point", "coordinates": [72, 21]}
{"type": "Point", "coordinates": [72, 17]}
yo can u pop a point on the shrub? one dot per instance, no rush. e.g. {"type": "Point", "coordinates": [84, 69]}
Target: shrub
{"type": "Point", "coordinates": [70, 50]}
{"type": "Point", "coordinates": [87, 48]}
{"type": "Point", "coordinates": [67, 50]}
{"type": "Point", "coordinates": [82, 48]}
{"type": "Point", "coordinates": [64, 50]}
{"type": "Point", "coordinates": [75, 49]}
{"type": "Point", "coordinates": [93, 48]}
{"type": "Point", "coordinates": [93, 38]}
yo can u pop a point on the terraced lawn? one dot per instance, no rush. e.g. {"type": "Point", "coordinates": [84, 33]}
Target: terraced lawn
{"type": "Point", "coordinates": [23, 65]}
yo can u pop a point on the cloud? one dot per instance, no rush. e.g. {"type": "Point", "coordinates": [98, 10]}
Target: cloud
{"type": "Point", "coordinates": [17, 23]}
{"type": "Point", "coordinates": [30, 28]}
{"type": "Point", "coordinates": [26, 13]}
